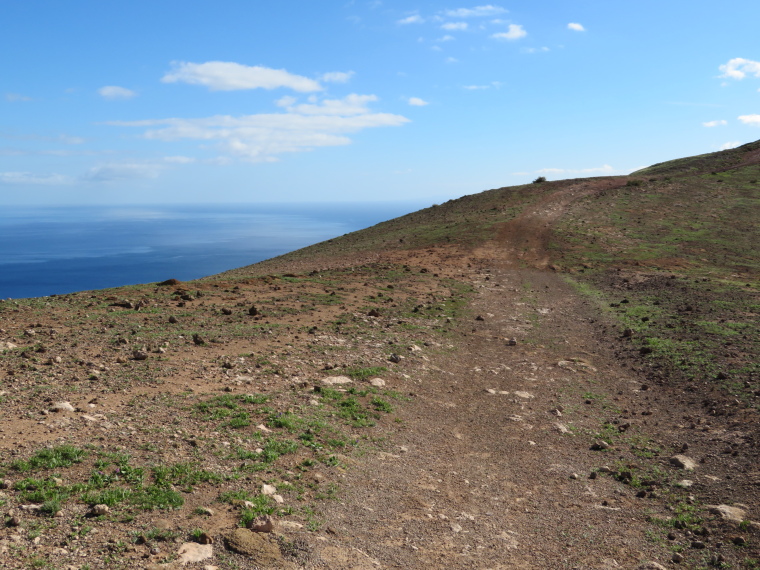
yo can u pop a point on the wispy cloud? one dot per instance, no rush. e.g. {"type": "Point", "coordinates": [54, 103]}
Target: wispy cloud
{"type": "Point", "coordinates": [122, 171]}
{"type": "Point", "coordinates": [414, 19]}
{"type": "Point", "coordinates": [514, 32]}
{"type": "Point", "coordinates": [576, 27]}
{"type": "Point", "coordinates": [493, 84]}
{"type": "Point", "coordinates": [454, 26]}
{"type": "Point", "coordinates": [753, 120]}
{"type": "Point", "coordinates": [535, 50]}
{"type": "Point", "coordinates": [34, 179]}
{"type": "Point", "coordinates": [114, 92]}
{"type": "Point", "coordinates": [719, 123]}
{"type": "Point", "coordinates": [16, 98]}
{"type": "Point", "coordinates": [488, 10]}
{"type": "Point", "coordinates": [337, 76]}
{"type": "Point", "coordinates": [729, 145]}
{"type": "Point", "coordinates": [263, 137]}
{"type": "Point", "coordinates": [605, 169]}
{"type": "Point", "coordinates": [417, 102]}
{"type": "Point", "coordinates": [230, 76]}
{"type": "Point", "coordinates": [739, 68]}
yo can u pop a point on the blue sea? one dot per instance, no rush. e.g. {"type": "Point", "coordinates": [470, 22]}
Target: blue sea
{"type": "Point", "coordinates": [46, 251]}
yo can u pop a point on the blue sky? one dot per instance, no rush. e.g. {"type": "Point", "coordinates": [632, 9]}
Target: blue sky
{"type": "Point", "coordinates": [242, 101]}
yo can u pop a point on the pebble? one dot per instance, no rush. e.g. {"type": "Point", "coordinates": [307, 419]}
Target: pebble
{"type": "Point", "coordinates": [63, 407]}
{"type": "Point", "coordinates": [191, 552]}
{"type": "Point", "coordinates": [336, 380]}
{"type": "Point", "coordinates": [726, 512]}
{"type": "Point", "coordinates": [99, 510]}
{"type": "Point", "coordinates": [683, 462]}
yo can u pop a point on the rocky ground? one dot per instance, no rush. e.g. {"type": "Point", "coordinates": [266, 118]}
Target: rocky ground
{"type": "Point", "coordinates": [448, 406]}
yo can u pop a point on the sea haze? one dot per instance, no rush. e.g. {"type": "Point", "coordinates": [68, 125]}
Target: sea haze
{"type": "Point", "coordinates": [46, 251]}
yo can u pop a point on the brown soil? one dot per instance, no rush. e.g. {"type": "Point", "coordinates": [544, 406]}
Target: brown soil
{"type": "Point", "coordinates": [488, 462]}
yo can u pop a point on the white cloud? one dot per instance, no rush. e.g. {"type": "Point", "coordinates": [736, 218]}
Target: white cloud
{"type": "Point", "coordinates": [261, 138]}
{"type": "Point", "coordinates": [417, 102]}
{"type": "Point", "coordinates": [415, 19]}
{"type": "Point", "coordinates": [729, 145]}
{"type": "Point", "coordinates": [179, 159]}
{"type": "Point", "coordinates": [452, 60]}
{"type": "Point", "coordinates": [515, 32]}
{"type": "Point", "coordinates": [37, 179]}
{"type": "Point", "coordinates": [753, 120]}
{"type": "Point", "coordinates": [494, 84]}
{"type": "Point", "coordinates": [476, 12]}
{"type": "Point", "coordinates": [719, 123]}
{"type": "Point", "coordinates": [535, 50]}
{"type": "Point", "coordinates": [454, 26]}
{"type": "Point", "coordinates": [122, 171]}
{"type": "Point", "coordinates": [16, 98]}
{"type": "Point", "coordinates": [337, 76]}
{"type": "Point", "coordinates": [230, 76]}
{"type": "Point", "coordinates": [605, 169]}
{"type": "Point", "coordinates": [576, 27]}
{"type": "Point", "coordinates": [739, 68]}
{"type": "Point", "coordinates": [446, 38]}
{"type": "Point", "coordinates": [350, 105]}
{"type": "Point", "coordinates": [113, 92]}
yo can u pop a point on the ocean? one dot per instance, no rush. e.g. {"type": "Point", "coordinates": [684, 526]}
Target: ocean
{"type": "Point", "coordinates": [47, 251]}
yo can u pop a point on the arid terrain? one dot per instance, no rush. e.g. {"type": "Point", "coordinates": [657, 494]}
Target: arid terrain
{"type": "Point", "coordinates": [556, 375]}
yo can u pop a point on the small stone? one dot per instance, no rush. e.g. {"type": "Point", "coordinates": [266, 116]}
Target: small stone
{"type": "Point", "coordinates": [739, 540]}
{"type": "Point", "coordinates": [336, 380]}
{"type": "Point", "coordinates": [698, 544]}
{"type": "Point", "coordinates": [377, 382]}
{"type": "Point", "coordinates": [574, 476]}
{"type": "Point", "coordinates": [206, 511]}
{"type": "Point", "coordinates": [600, 444]}
{"type": "Point", "coordinates": [512, 342]}
{"type": "Point", "coordinates": [263, 523]}
{"type": "Point", "coordinates": [139, 355]}
{"type": "Point", "coordinates": [677, 558]}
{"type": "Point", "coordinates": [683, 462]}
{"type": "Point", "coordinates": [253, 311]}
{"type": "Point", "coordinates": [373, 313]}
{"type": "Point", "coordinates": [650, 566]}
{"type": "Point", "coordinates": [726, 512]}
{"type": "Point", "coordinates": [226, 311]}
{"type": "Point", "coordinates": [199, 340]}
{"type": "Point", "coordinates": [685, 483]}
{"type": "Point", "coordinates": [191, 552]}
{"type": "Point", "coordinates": [173, 320]}
{"type": "Point", "coordinates": [395, 358]}
{"type": "Point", "coordinates": [99, 510]}
{"type": "Point", "coordinates": [63, 407]}
{"type": "Point", "coordinates": [268, 490]}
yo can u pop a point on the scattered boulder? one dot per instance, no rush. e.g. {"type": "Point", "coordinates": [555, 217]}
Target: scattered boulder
{"type": "Point", "coordinates": [729, 513]}
{"type": "Point", "coordinates": [99, 510]}
{"type": "Point", "coordinates": [139, 355]}
{"type": "Point", "coordinates": [263, 523]}
{"type": "Point", "coordinates": [377, 382]}
{"type": "Point", "coordinates": [683, 462]}
{"type": "Point", "coordinates": [191, 552]}
{"type": "Point", "coordinates": [63, 407]}
{"type": "Point", "coordinates": [336, 380]}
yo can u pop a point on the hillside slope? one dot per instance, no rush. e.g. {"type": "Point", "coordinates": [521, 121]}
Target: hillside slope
{"type": "Point", "coordinates": [555, 375]}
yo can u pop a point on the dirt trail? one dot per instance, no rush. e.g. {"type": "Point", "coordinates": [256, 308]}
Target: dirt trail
{"type": "Point", "coordinates": [486, 471]}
